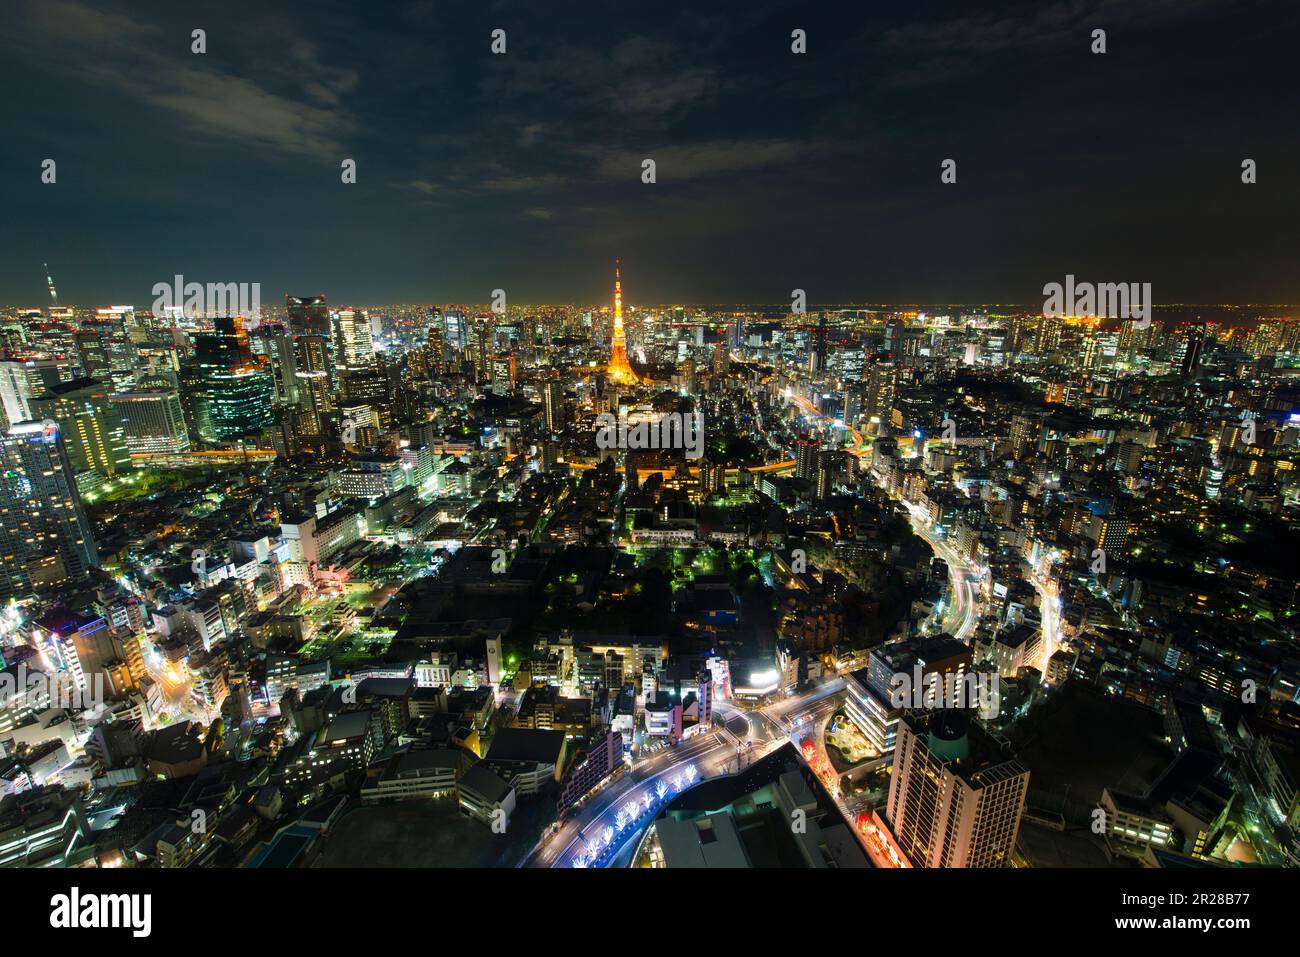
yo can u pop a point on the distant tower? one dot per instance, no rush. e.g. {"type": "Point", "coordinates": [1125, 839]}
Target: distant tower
{"type": "Point", "coordinates": [49, 281]}
{"type": "Point", "coordinates": [818, 358]}
{"type": "Point", "coordinates": [620, 370]}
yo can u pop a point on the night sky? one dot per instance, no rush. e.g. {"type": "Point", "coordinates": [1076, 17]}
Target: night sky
{"type": "Point", "coordinates": [775, 170]}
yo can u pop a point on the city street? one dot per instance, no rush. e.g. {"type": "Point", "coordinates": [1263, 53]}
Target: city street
{"type": "Point", "coordinates": [594, 829]}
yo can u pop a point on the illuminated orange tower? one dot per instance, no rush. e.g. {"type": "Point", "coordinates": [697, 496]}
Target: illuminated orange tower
{"type": "Point", "coordinates": [620, 370]}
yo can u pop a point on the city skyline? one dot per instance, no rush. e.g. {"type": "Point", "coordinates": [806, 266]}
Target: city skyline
{"type": "Point", "coordinates": [487, 437]}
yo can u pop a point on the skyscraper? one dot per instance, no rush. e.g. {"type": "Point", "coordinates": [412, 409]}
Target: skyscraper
{"type": "Point", "coordinates": [882, 382]}
{"type": "Point", "coordinates": [825, 474]}
{"type": "Point", "coordinates": [1048, 336]}
{"type": "Point", "coordinates": [354, 347]}
{"type": "Point", "coordinates": [153, 420]}
{"type": "Point", "coordinates": [455, 331]}
{"type": "Point", "coordinates": [315, 386]}
{"type": "Point", "coordinates": [308, 315]}
{"type": "Point", "coordinates": [806, 449]}
{"type": "Point", "coordinates": [90, 424]}
{"type": "Point", "coordinates": [92, 355]}
{"type": "Point", "coordinates": [620, 370]}
{"type": "Point", "coordinates": [817, 359]}
{"type": "Point", "coordinates": [235, 394]}
{"type": "Point", "coordinates": [45, 537]}
{"type": "Point", "coordinates": [956, 793]}
{"type": "Point", "coordinates": [721, 358]}
{"type": "Point", "coordinates": [553, 406]}
{"type": "Point", "coordinates": [437, 340]}
{"type": "Point", "coordinates": [1193, 340]}
{"type": "Point", "coordinates": [23, 379]}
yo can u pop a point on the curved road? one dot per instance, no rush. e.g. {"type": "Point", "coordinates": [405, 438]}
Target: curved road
{"type": "Point", "coordinates": [963, 615]}
{"type": "Point", "coordinates": [583, 835]}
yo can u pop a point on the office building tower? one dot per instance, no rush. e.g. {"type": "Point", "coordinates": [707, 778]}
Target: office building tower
{"type": "Point", "coordinates": [553, 407]}
{"type": "Point", "coordinates": [1025, 435]}
{"type": "Point", "coordinates": [284, 366]}
{"type": "Point", "coordinates": [45, 538]}
{"type": "Point", "coordinates": [1048, 336]}
{"type": "Point", "coordinates": [721, 358]}
{"type": "Point", "coordinates": [308, 315]}
{"type": "Point", "coordinates": [153, 420]}
{"type": "Point", "coordinates": [881, 384]}
{"type": "Point", "coordinates": [1112, 533]}
{"type": "Point", "coordinates": [457, 335]}
{"type": "Point", "coordinates": [850, 364]}
{"type": "Point", "coordinates": [714, 478]}
{"type": "Point", "coordinates": [1190, 346]}
{"type": "Point", "coordinates": [436, 341]}
{"type": "Point", "coordinates": [90, 424]}
{"type": "Point", "coordinates": [234, 392]}
{"type": "Point", "coordinates": [92, 354]}
{"type": "Point", "coordinates": [354, 347]}
{"type": "Point", "coordinates": [817, 358]}
{"type": "Point", "coordinates": [23, 379]}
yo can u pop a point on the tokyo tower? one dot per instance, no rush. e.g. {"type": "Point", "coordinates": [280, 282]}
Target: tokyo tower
{"type": "Point", "coordinates": [620, 370]}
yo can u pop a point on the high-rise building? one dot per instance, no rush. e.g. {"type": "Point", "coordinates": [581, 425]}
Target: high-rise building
{"type": "Point", "coordinates": [308, 315]}
{"type": "Point", "coordinates": [714, 478]}
{"type": "Point", "coordinates": [1190, 346]}
{"type": "Point", "coordinates": [956, 793]}
{"type": "Point", "coordinates": [437, 341]}
{"type": "Point", "coordinates": [23, 379]}
{"type": "Point", "coordinates": [721, 358]}
{"type": "Point", "coordinates": [153, 420]}
{"type": "Point", "coordinates": [284, 366]}
{"type": "Point", "coordinates": [553, 406]}
{"type": "Point", "coordinates": [817, 357]}
{"type": "Point", "coordinates": [1048, 336]}
{"type": "Point", "coordinates": [882, 381]}
{"type": "Point", "coordinates": [1015, 337]}
{"type": "Point", "coordinates": [234, 392]}
{"type": "Point", "coordinates": [1025, 434]}
{"type": "Point", "coordinates": [92, 355]}
{"type": "Point", "coordinates": [871, 704]}
{"type": "Point", "coordinates": [824, 478]}
{"type": "Point", "coordinates": [480, 348]}
{"type": "Point", "coordinates": [354, 347]}
{"type": "Point", "coordinates": [90, 424]}
{"type": "Point", "coordinates": [455, 330]}
{"type": "Point", "coordinates": [1112, 533]}
{"type": "Point", "coordinates": [805, 463]}
{"type": "Point", "coordinates": [312, 363]}
{"type": "Point", "coordinates": [45, 537]}
{"type": "Point", "coordinates": [239, 403]}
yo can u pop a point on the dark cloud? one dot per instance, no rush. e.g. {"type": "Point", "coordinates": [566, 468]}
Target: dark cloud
{"type": "Point", "coordinates": [774, 170]}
